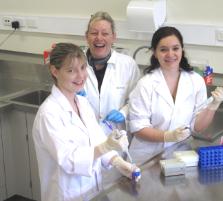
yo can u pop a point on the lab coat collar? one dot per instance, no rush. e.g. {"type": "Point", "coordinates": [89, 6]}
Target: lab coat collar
{"type": "Point", "coordinates": [112, 59]}
{"type": "Point", "coordinates": [64, 103]}
{"type": "Point", "coordinates": [161, 87]}
{"type": "Point", "coordinates": [111, 66]}
{"type": "Point", "coordinates": [185, 87]}
{"type": "Point", "coordinates": [61, 99]}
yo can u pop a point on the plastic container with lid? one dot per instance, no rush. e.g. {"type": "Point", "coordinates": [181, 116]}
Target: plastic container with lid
{"type": "Point", "coordinates": [172, 167]}
{"type": "Point", "coordinates": [189, 157]}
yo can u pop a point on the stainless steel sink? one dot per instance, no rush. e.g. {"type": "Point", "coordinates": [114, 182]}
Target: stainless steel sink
{"type": "Point", "coordinates": [34, 98]}
{"type": "Point", "coordinates": [210, 89]}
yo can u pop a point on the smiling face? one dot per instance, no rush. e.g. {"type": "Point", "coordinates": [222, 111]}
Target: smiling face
{"type": "Point", "coordinates": [100, 38]}
{"type": "Point", "coordinates": [70, 78]}
{"type": "Point", "coordinates": [169, 52]}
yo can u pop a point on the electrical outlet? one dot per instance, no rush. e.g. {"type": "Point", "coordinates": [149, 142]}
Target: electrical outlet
{"type": "Point", "coordinates": [21, 21]}
{"type": "Point", "coordinates": [7, 21]}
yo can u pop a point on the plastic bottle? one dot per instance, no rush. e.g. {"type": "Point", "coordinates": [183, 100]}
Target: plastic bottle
{"type": "Point", "coordinates": [208, 75]}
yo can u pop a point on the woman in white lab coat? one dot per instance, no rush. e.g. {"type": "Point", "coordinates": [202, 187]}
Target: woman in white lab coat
{"type": "Point", "coordinates": [112, 75]}
{"type": "Point", "coordinates": [71, 148]}
{"type": "Point", "coordinates": [161, 107]}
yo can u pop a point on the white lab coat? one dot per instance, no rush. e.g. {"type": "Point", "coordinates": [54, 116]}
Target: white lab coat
{"type": "Point", "coordinates": [151, 105]}
{"type": "Point", "coordinates": [120, 78]}
{"type": "Point", "coordinates": [64, 146]}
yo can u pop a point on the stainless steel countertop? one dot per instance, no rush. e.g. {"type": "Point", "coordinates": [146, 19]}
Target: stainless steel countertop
{"type": "Point", "coordinates": [195, 185]}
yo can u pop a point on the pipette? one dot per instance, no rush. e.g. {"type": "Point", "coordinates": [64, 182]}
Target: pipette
{"type": "Point", "coordinates": [203, 105]}
{"type": "Point", "coordinates": [107, 123]}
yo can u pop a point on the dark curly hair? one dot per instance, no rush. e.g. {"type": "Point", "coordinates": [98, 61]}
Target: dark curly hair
{"type": "Point", "coordinates": [161, 33]}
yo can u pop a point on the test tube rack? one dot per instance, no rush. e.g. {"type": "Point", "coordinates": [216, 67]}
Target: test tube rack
{"type": "Point", "coordinates": [211, 175]}
{"type": "Point", "coordinates": [210, 156]}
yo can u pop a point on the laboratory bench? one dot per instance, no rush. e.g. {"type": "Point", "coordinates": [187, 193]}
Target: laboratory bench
{"type": "Point", "coordinates": [18, 160]}
{"type": "Point", "coordinates": [195, 185]}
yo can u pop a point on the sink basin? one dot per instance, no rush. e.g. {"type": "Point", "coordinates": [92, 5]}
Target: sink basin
{"type": "Point", "coordinates": [210, 89]}
{"type": "Point", "coordinates": [34, 98]}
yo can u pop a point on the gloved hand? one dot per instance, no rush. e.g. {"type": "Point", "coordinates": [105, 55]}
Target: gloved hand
{"type": "Point", "coordinates": [115, 116]}
{"type": "Point", "coordinates": [177, 135]}
{"type": "Point", "coordinates": [82, 93]}
{"type": "Point", "coordinates": [218, 98]}
{"type": "Point", "coordinates": [117, 140]}
{"type": "Point", "coordinates": [127, 169]}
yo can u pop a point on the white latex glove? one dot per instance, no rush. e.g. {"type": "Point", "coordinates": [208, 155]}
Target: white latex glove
{"type": "Point", "coordinates": [218, 98]}
{"type": "Point", "coordinates": [177, 135]}
{"type": "Point", "coordinates": [117, 141]}
{"type": "Point", "coordinates": [127, 169]}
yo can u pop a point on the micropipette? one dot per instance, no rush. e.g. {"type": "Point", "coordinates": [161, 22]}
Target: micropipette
{"type": "Point", "coordinates": [203, 106]}
{"type": "Point", "coordinates": [118, 136]}
{"type": "Point", "coordinates": [108, 124]}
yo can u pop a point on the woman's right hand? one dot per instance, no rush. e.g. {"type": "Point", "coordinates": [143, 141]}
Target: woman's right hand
{"type": "Point", "coordinates": [127, 169]}
{"type": "Point", "coordinates": [218, 98]}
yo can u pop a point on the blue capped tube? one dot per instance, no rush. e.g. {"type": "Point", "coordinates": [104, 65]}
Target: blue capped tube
{"type": "Point", "coordinates": [136, 174]}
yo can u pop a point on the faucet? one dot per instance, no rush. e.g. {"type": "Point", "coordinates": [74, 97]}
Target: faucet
{"type": "Point", "coordinates": [138, 49]}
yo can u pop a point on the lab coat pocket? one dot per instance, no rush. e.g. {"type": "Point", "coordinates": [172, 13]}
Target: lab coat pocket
{"type": "Point", "coordinates": [71, 186]}
{"type": "Point", "coordinates": [80, 187]}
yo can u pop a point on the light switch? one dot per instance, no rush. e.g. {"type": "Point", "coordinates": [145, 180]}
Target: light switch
{"type": "Point", "coordinates": [31, 22]}
{"type": "Point", "coordinates": [219, 35]}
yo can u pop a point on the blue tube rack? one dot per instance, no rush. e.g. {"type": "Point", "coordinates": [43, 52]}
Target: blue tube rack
{"type": "Point", "coordinates": [210, 175]}
{"type": "Point", "coordinates": [210, 157]}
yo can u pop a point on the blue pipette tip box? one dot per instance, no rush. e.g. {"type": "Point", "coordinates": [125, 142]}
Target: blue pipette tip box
{"type": "Point", "coordinates": [210, 156]}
